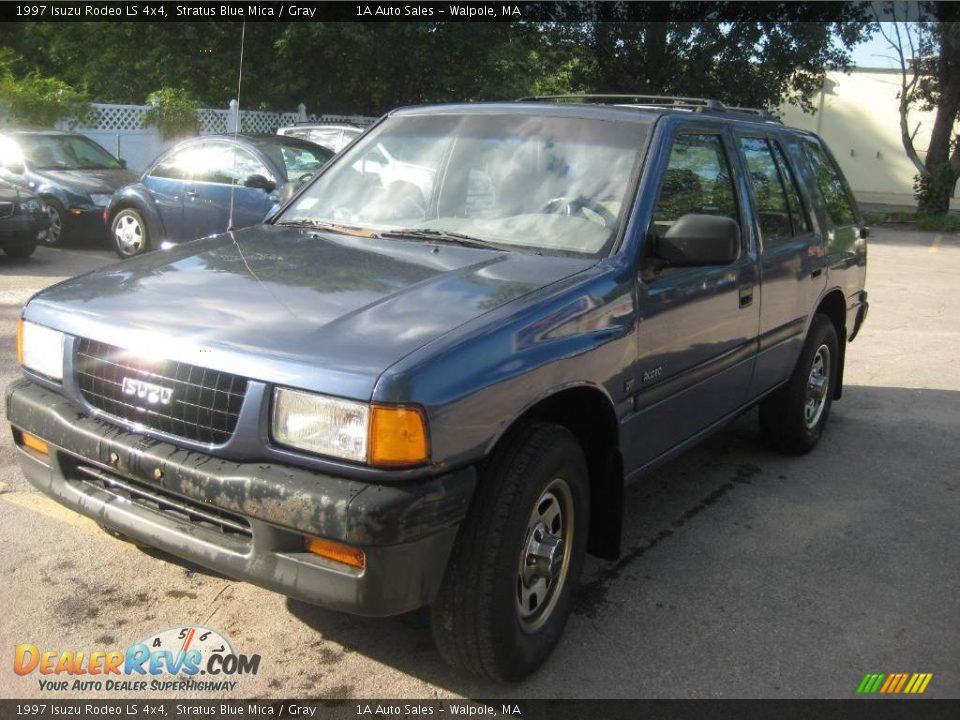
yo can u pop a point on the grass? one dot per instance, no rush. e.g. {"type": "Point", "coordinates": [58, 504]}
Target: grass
{"type": "Point", "coordinates": [938, 223]}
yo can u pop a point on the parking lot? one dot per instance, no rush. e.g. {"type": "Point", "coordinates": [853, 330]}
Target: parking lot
{"type": "Point", "coordinates": [744, 573]}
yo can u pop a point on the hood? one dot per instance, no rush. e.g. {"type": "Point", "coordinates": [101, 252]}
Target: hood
{"type": "Point", "coordinates": [90, 181]}
{"type": "Point", "coordinates": [321, 311]}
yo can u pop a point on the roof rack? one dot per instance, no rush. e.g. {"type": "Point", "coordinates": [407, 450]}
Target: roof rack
{"type": "Point", "coordinates": [664, 101]}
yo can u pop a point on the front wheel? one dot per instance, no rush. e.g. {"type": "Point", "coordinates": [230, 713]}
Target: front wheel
{"type": "Point", "coordinates": [129, 233]}
{"type": "Point", "coordinates": [793, 418]}
{"type": "Point", "coordinates": [509, 586]}
{"type": "Point", "coordinates": [21, 252]}
{"type": "Point", "coordinates": [57, 217]}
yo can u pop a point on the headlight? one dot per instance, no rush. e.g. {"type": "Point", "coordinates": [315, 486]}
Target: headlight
{"type": "Point", "coordinates": [31, 205]}
{"type": "Point", "coordinates": [374, 434]}
{"type": "Point", "coordinates": [40, 349]}
{"type": "Point", "coordinates": [101, 200]}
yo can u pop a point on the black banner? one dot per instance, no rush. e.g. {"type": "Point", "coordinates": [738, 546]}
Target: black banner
{"type": "Point", "coordinates": [854, 709]}
{"type": "Point", "coordinates": [467, 11]}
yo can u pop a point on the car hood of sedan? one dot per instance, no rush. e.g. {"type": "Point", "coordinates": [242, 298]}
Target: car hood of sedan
{"type": "Point", "coordinates": [91, 181]}
{"type": "Point", "coordinates": [322, 311]}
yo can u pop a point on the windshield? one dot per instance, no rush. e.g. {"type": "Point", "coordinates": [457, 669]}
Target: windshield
{"type": "Point", "coordinates": [549, 184]}
{"type": "Point", "coordinates": [65, 152]}
{"type": "Point", "coordinates": [298, 159]}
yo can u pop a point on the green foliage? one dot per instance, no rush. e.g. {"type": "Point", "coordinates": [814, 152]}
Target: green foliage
{"type": "Point", "coordinates": [934, 190]}
{"type": "Point", "coordinates": [38, 100]}
{"type": "Point", "coordinates": [367, 68]}
{"type": "Point", "coordinates": [174, 113]}
{"type": "Point", "coordinates": [944, 222]}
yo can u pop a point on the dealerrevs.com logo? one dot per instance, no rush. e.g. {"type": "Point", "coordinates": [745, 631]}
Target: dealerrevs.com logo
{"type": "Point", "coordinates": [191, 658]}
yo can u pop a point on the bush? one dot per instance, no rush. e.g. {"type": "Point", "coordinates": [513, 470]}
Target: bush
{"type": "Point", "coordinates": [38, 100]}
{"type": "Point", "coordinates": [174, 113]}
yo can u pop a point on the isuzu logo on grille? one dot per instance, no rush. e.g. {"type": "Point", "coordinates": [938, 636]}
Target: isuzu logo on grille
{"type": "Point", "coordinates": [153, 394]}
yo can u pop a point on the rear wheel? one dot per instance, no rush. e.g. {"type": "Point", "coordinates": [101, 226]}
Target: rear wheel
{"type": "Point", "coordinates": [509, 586]}
{"type": "Point", "coordinates": [793, 418]}
{"type": "Point", "coordinates": [129, 233]}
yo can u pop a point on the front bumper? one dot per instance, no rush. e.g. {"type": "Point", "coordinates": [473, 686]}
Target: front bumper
{"type": "Point", "coordinates": [405, 530]}
{"type": "Point", "coordinates": [23, 229]}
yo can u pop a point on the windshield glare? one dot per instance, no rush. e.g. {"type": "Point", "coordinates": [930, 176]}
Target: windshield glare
{"type": "Point", "coordinates": [552, 184]}
{"type": "Point", "coordinates": [65, 152]}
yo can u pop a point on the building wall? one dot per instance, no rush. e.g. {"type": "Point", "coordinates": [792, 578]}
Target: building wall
{"type": "Point", "coordinates": [859, 118]}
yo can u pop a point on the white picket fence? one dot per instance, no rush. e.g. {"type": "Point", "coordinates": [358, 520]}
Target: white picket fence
{"type": "Point", "coordinates": [119, 128]}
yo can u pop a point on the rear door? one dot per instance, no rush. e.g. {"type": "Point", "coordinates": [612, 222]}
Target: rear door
{"type": "Point", "coordinates": [791, 255]}
{"type": "Point", "coordinates": [697, 325]}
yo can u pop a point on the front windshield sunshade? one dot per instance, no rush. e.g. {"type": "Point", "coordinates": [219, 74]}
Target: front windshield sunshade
{"type": "Point", "coordinates": [545, 184]}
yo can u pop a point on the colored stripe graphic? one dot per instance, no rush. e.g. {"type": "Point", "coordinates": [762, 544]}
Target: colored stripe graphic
{"type": "Point", "coordinates": [894, 683]}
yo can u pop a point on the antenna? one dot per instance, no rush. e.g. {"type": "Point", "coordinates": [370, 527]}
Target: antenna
{"type": "Point", "coordinates": [236, 126]}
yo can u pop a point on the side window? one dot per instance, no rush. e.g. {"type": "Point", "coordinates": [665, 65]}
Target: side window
{"type": "Point", "coordinates": [830, 183]}
{"type": "Point", "coordinates": [179, 164]}
{"type": "Point", "coordinates": [697, 180]}
{"type": "Point", "coordinates": [226, 165]}
{"type": "Point", "coordinates": [769, 192]}
{"type": "Point", "coordinates": [800, 218]}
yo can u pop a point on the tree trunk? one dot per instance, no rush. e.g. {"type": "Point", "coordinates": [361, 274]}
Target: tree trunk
{"type": "Point", "coordinates": [936, 189]}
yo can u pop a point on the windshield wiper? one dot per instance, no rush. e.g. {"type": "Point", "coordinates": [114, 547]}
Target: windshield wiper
{"type": "Point", "coordinates": [331, 227]}
{"type": "Point", "coordinates": [454, 238]}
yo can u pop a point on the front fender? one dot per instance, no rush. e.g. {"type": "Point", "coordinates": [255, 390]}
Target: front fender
{"type": "Point", "coordinates": [476, 381]}
{"type": "Point", "coordinates": [138, 197]}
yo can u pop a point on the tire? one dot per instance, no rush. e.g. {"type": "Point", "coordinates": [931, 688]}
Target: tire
{"type": "Point", "coordinates": [129, 234]}
{"type": "Point", "coordinates": [20, 252]}
{"type": "Point", "coordinates": [793, 418]}
{"type": "Point", "coordinates": [56, 235]}
{"type": "Point", "coordinates": [537, 475]}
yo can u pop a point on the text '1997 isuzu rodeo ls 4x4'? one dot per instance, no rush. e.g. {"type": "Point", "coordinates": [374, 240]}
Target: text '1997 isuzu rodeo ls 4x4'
{"type": "Point", "coordinates": [426, 380]}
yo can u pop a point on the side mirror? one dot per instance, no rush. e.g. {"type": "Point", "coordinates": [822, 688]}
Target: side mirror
{"type": "Point", "coordinates": [14, 168]}
{"type": "Point", "coordinates": [260, 183]}
{"type": "Point", "coordinates": [699, 240]}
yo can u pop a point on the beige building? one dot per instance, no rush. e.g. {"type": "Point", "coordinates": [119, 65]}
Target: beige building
{"type": "Point", "coordinates": [858, 116]}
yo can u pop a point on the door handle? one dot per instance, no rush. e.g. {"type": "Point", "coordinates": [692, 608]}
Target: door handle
{"type": "Point", "coordinates": [746, 296]}
{"type": "Point", "coordinates": [192, 194]}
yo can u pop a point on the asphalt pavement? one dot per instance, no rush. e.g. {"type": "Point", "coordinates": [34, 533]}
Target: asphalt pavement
{"type": "Point", "coordinates": [745, 573]}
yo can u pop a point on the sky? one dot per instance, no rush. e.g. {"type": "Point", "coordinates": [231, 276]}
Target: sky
{"type": "Point", "coordinates": [875, 53]}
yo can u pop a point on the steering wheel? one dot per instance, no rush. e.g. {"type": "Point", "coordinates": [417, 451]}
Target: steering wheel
{"type": "Point", "coordinates": [576, 206]}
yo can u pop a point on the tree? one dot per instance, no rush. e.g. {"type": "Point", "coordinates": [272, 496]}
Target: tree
{"type": "Point", "coordinates": [38, 100]}
{"type": "Point", "coordinates": [928, 53]}
{"type": "Point", "coordinates": [745, 62]}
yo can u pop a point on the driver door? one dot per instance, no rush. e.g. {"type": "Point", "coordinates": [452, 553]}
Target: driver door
{"type": "Point", "coordinates": [221, 170]}
{"type": "Point", "coordinates": [697, 326]}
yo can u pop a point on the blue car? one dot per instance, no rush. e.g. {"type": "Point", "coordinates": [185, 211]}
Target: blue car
{"type": "Point", "coordinates": [191, 190]}
{"type": "Point", "coordinates": [73, 176]}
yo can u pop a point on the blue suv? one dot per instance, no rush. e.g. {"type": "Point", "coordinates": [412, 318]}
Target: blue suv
{"type": "Point", "coordinates": [427, 380]}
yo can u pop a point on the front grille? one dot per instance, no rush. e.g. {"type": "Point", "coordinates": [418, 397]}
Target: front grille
{"type": "Point", "coordinates": [183, 400]}
{"type": "Point", "coordinates": [170, 505]}
{"type": "Point", "coordinates": [6, 209]}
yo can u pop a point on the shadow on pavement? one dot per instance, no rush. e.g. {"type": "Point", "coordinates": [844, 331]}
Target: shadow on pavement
{"type": "Point", "coordinates": [780, 541]}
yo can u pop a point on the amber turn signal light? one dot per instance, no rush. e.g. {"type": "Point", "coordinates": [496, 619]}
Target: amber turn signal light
{"type": "Point", "coordinates": [20, 342]}
{"type": "Point", "coordinates": [398, 436]}
{"type": "Point", "coordinates": [354, 557]}
{"type": "Point", "coordinates": [34, 443]}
